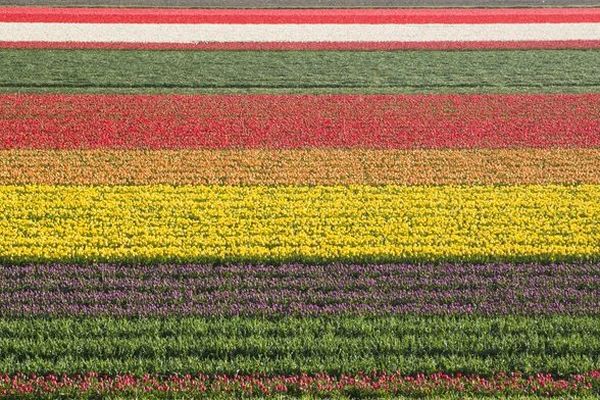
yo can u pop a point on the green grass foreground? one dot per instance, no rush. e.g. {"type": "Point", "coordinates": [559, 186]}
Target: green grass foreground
{"type": "Point", "coordinates": [503, 71]}
{"type": "Point", "coordinates": [560, 345]}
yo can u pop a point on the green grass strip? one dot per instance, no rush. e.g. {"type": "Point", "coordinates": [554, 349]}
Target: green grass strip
{"type": "Point", "coordinates": [481, 345]}
{"type": "Point", "coordinates": [300, 71]}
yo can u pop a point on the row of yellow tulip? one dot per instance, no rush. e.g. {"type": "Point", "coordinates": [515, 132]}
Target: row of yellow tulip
{"type": "Point", "coordinates": [296, 223]}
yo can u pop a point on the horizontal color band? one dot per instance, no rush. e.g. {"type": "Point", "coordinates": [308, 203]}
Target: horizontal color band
{"type": "Point", "coordinates": [309, 224]}
{"type": "Point", "coordinates": [186, 33]}
{"type": "Point", "coordinates": [366, 46]}
{"type": "Point", "coordinates": [296, 289]}
{"type": "Point", "coordinates": [505, 71]}
{"type": "Point", "coordinates": [300, 4]}
{"type": "Point", "coordinates": [367, 383]}
{"type": "Point", "coordinates": [299, 167]}
{"type": "Point", "coordinates": [238, 345]}
{"type": "Point", "coordinates": [283, 16]}
{"type": "Point", "coordinates": [298, 121]}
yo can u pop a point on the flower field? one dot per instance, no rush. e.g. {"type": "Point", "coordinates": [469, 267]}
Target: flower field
{"type": "Point", "coordinates": [292, 122]}
{"type": "Point", "coordinates": [176, 387]}
{"type": "Point", "coordinates": [299, 203]}
{"type": "Point", "coordinates": [300, 289]}
{"type": "Point", "coordinates": [161, 223]}
{"type": "Point", "coordinates": [313, 166]}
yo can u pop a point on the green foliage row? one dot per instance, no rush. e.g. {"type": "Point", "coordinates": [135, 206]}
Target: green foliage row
{"type": "Point", "coordinates": [482, 345]}
{"type": "Point", "coordinates": [300, 71]}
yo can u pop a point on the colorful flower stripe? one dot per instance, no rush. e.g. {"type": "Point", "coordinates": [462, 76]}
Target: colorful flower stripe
{"type": "Point", "coordinates": [298, 121]}
{"type": "Point", "coordinates": [295, 33]}
{"type": "Point", "coordinates": [306, 4]}
{"type": "Point", "coordinates": [209, 290]}
{"type": "Point", "coordinates": [91, 385]}
{"type": "Point", "coordinates": [312, 46]}
{"type": "Point", "coordinates": [299, 16]}
{"type": "Point", "coordinates": [300, 167]}
{"type": "Point", "coordinates": [175, 27]}
{"type": "Point", "coordinates": [309, 224]}
{"type": "Point", "coordinates": [293, 345]}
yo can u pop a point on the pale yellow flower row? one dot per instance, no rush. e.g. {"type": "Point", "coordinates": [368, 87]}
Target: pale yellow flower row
{"type": "Point", "coordinates": [276, 224]}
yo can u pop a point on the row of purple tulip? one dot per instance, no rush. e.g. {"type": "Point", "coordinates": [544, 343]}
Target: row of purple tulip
{"type": "Point", "coordinates": [295, 289]}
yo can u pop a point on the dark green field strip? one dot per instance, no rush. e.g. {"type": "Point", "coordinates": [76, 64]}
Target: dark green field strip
{"type": "Point", "coordinates": [560, 345]}
{"type": "Point", "coordinates": [305, 3]}
{"type": "Point", "coordinates": [300, 71]}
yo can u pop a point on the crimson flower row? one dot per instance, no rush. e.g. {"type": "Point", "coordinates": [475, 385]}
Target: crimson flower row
{"type": "Point", "coordinates": [93, 384]}
{"type": "Point", "coordinates": [296, 121]}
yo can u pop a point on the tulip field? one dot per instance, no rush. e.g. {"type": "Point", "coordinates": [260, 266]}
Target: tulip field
{"type": "Point", "coordinates": [293, 202]}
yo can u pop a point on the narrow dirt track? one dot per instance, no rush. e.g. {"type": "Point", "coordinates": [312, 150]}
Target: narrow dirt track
{"type": "Point", "coordinates": [304, 3]}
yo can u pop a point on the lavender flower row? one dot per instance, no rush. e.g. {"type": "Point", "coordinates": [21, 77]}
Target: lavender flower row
{"type": "Point", "coordinates": [206, 290]}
